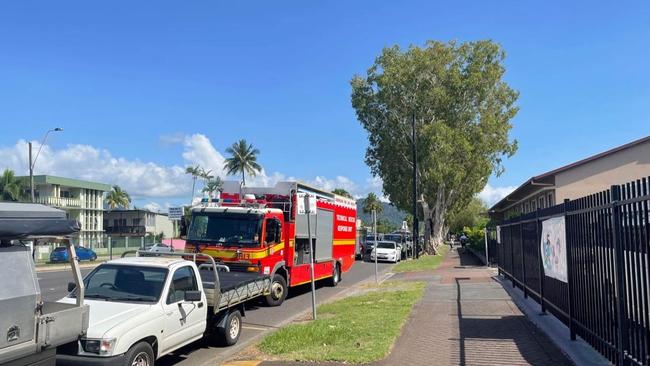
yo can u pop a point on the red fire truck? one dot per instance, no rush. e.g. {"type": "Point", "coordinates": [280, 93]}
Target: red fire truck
{"type": "Point", "coordinates": [260, 230]}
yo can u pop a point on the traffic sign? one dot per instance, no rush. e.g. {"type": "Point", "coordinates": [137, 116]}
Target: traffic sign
{"type": "Point", "coordinates": [306, 203]}
{"type": "Point", "coordinates": [175, 213]}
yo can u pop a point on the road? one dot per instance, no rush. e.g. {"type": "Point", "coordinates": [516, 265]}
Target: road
{"type": "Point", "coordinates": [258, 320]}
{"type": "Point", "coordinates": [54, 284]}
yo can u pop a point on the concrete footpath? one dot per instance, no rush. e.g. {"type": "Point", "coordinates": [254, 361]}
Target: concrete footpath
{"type": "Point", "coordinates": [465, 318]}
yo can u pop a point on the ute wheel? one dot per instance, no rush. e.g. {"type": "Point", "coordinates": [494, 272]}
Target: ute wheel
{"type": "Point", "coordinates": [278, 291]}
{"type": "Point", "coordinates": [140, 354]}
{"type": "Point", "coordinates": [229, 335]}
{"type": "Point", "coordinates": [336, 276]}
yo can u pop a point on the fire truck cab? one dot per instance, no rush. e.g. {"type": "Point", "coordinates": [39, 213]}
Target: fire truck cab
{"type": "Point", "coordinates": [259, 230]}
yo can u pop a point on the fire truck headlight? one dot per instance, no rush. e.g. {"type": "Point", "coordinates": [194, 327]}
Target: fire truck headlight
{"type": "Point", "coordinates": [252, 269]}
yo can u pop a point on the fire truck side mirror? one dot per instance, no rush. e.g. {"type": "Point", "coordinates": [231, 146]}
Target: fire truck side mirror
{"type": "Point", "coordinates": [278, 231]}
{"type": "Point", "coordinates": [183, 228]}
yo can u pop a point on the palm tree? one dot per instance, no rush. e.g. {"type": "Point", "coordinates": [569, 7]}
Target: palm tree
{"type": "Point", "coordinates": [372, 203]}
{"type": "Point", "coordinates": [342, 192]}
{"type": "Point", "coordinates": [195, 172]}
{"type": "Point", "coordinates": [118, 197]}
{"type": "Point", "coordinates": [206, 175]}
{"type": "Point", "coordinates": [11, 189]}
{"type": "Point", "coordinates": [243, 160]}
{"type": "Point", "coordinates": [212, 185]}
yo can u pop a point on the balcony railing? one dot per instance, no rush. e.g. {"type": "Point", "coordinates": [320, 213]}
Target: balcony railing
{"type": "Point", "coordinates": [59, 201]}
{"type": "Point", "coordinates": [138, 230]}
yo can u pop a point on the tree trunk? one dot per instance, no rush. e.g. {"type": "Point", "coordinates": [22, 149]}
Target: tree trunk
{"type": "Point", "coordinates": [243, 178]}
{"type": "Point", "coordinates": [193, 189]}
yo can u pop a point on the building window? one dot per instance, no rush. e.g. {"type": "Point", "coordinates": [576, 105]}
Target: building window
{"type": "Point", "coordinates": [533, 205]}
{"type": "Point", "coordinates": [526, 207]}
{"type": "Point", "coordinates": [136, 222]}
{"type": "Point", "coordinates": [551, 199]}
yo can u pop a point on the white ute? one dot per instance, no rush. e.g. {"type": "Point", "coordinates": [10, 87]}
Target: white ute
{"type": "Point", "coordinates": [144, 307]}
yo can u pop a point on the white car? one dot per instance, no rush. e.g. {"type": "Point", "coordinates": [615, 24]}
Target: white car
{"type": "Point", "coordinates": [161, 248]}
{"type": "Point", "coordinates": [386, 251]}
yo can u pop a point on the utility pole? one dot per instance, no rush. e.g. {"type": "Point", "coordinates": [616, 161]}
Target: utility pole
{"type": "Point", "coordinates": [416, 224]}
{"type": "Point", "coordinates": [31, 173]}
{"type": "Point", "coordinates": [33, 161]}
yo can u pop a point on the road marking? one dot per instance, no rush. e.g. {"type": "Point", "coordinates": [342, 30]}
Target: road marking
{"type": "Point", "coordinates": [242, 363]}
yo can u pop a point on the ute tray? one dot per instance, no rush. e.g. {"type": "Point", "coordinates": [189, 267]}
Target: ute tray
{"type": "Point", "coordinates": [234, 287]}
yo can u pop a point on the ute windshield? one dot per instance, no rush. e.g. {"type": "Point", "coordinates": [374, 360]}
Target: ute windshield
{"type": "Point", "coordinates": [124, 283]}
{"type": "Point", "coordinates": [226, 229]}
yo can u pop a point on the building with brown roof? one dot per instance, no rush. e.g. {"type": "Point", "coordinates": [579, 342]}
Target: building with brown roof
{"type": "Point", "coordinates": [593, 174]}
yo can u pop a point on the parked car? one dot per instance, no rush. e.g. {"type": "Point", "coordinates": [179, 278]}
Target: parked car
{"type": "Point", "coordinates": [386, 251]}
{"type": "Point", "coordinates": [160, 248]}
{"type": "Point", "coordinates": [60, 254]}
{"type": "Point", "coordinates": [401, 242]}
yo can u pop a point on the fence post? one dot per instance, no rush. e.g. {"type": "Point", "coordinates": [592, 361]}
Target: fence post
{"type": "Point", "coordinates": [512, 258]}
{"type": "Point", "coordinates": [110, 248]}
{"type": "Point", "coordinates": [569, 269]}
{"type": "Point", "coordinates": [538, 241]}
{"type": "Point", "coordinates": [619, 255]}
{"type": "Point", "coordinates": [523, 259]}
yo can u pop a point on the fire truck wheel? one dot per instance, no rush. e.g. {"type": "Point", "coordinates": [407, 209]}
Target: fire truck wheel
{"type": "Point", "coordinates": [230, 334]}
{"type": "Point", "coordinates": [336, 276]}
{"type": "Point", "coordinates": [278, 291]}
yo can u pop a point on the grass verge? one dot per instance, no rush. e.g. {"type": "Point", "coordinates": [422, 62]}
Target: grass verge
{"type": "Point", "coordinates": [357, 329]}
{"type": "Point", "coordinates": [424, 263]}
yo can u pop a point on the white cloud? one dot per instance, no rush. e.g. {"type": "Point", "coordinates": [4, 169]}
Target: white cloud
{"type": "Point", "coordinates": [140, 179]}
{"type": "Point", "coordinates": [491, 195]}
{"type": "Point", "coordinates": [198, 150]}
{"type": "Point", "coordinates": [151, 183]}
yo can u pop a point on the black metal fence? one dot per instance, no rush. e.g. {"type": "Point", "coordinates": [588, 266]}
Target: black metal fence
{"type": "Point", "coordinates": [605, 299]}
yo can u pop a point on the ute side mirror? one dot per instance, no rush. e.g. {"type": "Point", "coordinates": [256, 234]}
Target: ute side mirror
{"type": "Point", "coordinates": [71, 286]}
{"type": "Point", "coordinates": [192, 296]}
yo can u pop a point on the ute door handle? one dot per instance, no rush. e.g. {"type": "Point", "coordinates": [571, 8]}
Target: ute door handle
{"type": "Point", "coordinates": [169, 313]}
{"type": "Point", "coordinates": [201, 304]}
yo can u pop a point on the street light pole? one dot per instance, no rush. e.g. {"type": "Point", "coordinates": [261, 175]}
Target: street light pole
{"type": "Point", "coordinates": [33, 162]}
{"type": "Point", "coordinates": [416, 224]}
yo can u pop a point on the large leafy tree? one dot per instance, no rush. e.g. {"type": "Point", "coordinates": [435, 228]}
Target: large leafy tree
{"type": "Point", "coordinates": [11, 188]}
{"type": "Point", "coordinates": [462, 108]}
{"type": "Point", "coordinates": [372, 203]}
{"type": "Point", "coordinates": [342, 192]}
{"type": "Point", "coordinates": [118, 197]}
{"type": "Point", "coordinates": [243, 159]}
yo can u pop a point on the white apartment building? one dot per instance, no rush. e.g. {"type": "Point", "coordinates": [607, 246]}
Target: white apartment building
{"type": "Point", "coordinates": [81, 200]}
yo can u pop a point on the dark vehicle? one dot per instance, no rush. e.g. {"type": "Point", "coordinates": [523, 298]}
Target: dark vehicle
{"type": "Point", "coordinates": [60, 254]}
{"type": "Point", "coordinates": [33, 328]}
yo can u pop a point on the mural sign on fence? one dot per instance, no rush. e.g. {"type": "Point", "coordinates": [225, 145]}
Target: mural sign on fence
{"type": "Point", "coordinates": [553, 248]}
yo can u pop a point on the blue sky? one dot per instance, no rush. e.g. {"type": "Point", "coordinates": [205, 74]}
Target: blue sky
{"type": "Point", "coordinates": [155, 86]}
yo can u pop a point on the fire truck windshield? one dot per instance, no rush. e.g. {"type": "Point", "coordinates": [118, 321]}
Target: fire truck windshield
{"type": "Point", "coordinates": [226, 229]}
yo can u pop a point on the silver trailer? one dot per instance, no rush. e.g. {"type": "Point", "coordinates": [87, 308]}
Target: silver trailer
{"type": "Point", "coordinates": [30, 328]}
